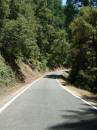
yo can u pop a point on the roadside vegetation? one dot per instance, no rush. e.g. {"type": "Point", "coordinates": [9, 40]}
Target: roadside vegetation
{"type": "Point", "coordinates": [82, 56]}
{"type": "Point", "coordinates": [44, 34]}
{"type": "Point", "coordinates": [31, 31]}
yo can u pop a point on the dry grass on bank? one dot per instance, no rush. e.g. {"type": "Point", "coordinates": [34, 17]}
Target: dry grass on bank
{"type": "Point", "coordinates": [7, 92]}
{"type": "Point", "coordinates": [88, 96]}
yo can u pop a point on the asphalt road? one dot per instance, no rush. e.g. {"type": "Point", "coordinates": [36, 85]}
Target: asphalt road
{"type": "Point", "coordinates": [47, 106]}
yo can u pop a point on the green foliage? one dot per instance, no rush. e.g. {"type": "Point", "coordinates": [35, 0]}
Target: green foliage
{"type": "Point", "coordinates": [86, 2]}
{"type": "Point", "coordinates": [19, 40]}
{"type": "Point", "coordinates": [32, 31]}
{"type": "Point", "coordinates": [59, 49]}
{"type": "Point", "coordinates": [50, 37]}
{"type": "Point", "coordinates": [70, 13]}
{"type": "Point", "coordinates": [14, 9]}
{"type": "Point", "coordinates": [6, 74]}
{"type": "Point", "coordinates": [84, 49]}
{"type": "Point", "coordinates": [4, 9]}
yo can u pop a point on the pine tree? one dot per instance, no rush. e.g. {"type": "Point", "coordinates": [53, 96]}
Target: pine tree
{"type": "Point", "coordinates": [84, 49]}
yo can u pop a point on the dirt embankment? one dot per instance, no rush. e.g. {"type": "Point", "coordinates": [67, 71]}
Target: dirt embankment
{"type": "Point", "coordinates": [84, 94]}
{"type": "Point", "coordinates": [7, 92]}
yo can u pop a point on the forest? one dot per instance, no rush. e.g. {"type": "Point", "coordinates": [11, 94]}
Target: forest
{"type": "Point", "coordinates": [31, 31]}
{"type": "Point", "coordinates": [45, 34]}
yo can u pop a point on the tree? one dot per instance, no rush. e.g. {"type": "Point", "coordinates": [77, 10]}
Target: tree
{"type": "Point", "coordinates": [86, 2]}
{"type": "Point", "coordinates": [31, 30]}
{"type": "Point", "coordinates": [70, 13]}
{"type": "Point", "coordinates": [84, 49]}
{"type": "Point", "coordinates": [59, 48]}
{"type": "Point", "coordinates": [49, 14]}
{"type": "Point", "coordinates": [4, 11]}
{"type": "Point", "coordinates": [14, 9]}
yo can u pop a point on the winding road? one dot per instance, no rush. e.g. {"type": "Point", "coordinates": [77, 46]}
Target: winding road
{"type": "Point", "coordinates": [47, 106]}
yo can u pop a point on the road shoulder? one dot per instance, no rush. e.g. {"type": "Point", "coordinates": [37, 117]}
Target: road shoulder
{"type": "Point", "coordinates": [7, 93]}
{"type": "Point", "coordinates": [83, 94]}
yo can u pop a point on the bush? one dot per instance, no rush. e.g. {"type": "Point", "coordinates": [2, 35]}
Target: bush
{"type": "Point", "coordinates": [85, 79]}
{"type": "Point", "coordinates": [6, 74]}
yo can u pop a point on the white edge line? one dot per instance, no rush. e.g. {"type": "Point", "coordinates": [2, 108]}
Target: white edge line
{"type": "Point", "coordinates": [76, 95]}
{"type": "Point", "coordinates": [19, 94]}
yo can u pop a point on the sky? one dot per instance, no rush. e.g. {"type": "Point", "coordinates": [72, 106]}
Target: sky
{"type": "Point", "coordinates": [64, 2]}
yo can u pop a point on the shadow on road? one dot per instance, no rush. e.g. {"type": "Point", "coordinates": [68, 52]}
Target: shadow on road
{"type": "Point", "coordinates": [84, 119]}
{"type": "Point", "coordinates": [54, 76]}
